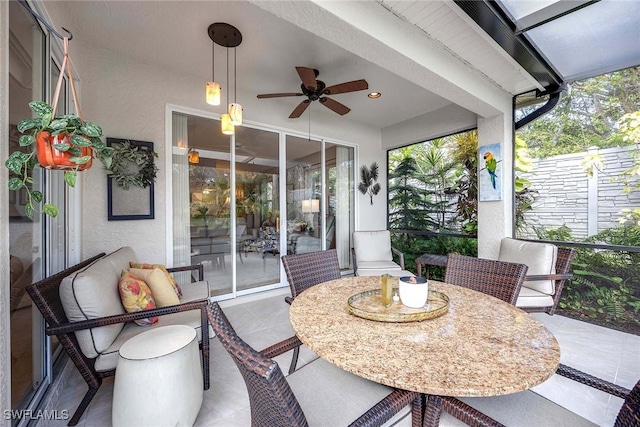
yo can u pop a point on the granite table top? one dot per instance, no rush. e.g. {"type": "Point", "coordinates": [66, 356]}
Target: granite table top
{"type": "Point", "coordinates": [481, 347]}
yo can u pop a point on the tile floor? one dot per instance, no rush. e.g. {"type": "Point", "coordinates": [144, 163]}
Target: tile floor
{"type": "Point", "coordinates": [262, 320]}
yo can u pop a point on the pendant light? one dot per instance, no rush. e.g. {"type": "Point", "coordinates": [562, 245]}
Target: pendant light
{"type": "Point", "coordinates": [213, 88]}
{"type": "Point", "coordinates": [228, 36]}
{"type": "Point", "coordinates": [235, 109]}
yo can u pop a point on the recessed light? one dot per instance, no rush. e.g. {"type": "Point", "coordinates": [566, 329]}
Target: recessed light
{"type": "Point", "coordinates": [374, 95]}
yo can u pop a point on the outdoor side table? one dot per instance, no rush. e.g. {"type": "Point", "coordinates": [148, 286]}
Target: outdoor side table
{"type": "Point", "coordinates": [158, 379]}
{"type": "Point", "coordinates": [429, 259]}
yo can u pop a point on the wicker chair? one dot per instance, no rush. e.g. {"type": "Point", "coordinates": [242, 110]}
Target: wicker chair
{"type": "Point", "coordinates": [549, 269]}
{"type": "Point", "coordinates": [272, 398]}
{"type": "Point", "coordinates": [500, 279]}
{"type": "Point", "coordinates": [309, 269]}
{"type": "Point", "coordinates": [45, 294]}
{"type": "Point", "coordinates": [306, 270]}
{"type": "Point", "coordinates": [629, 415]}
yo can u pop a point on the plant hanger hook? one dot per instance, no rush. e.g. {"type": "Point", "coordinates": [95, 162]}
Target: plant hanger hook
{"type": "Point", "coordinates": [45, 23]}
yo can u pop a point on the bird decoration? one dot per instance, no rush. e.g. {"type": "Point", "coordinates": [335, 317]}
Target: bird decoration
{"type": "Point", "coordinates": [490, 164]}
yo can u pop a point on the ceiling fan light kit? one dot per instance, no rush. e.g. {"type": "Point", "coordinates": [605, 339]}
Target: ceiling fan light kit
{"type": "Point", "coordinates": [317, 90]}
{"type": "Point", "coordinates": [228, 36]}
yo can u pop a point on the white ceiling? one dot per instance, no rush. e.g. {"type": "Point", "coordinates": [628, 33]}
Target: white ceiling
{"type": "Point", "coordinates": [173, 35]}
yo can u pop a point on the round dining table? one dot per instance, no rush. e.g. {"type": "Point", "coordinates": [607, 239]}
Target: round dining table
{"type": "Point", "coordinates": [481, 346]}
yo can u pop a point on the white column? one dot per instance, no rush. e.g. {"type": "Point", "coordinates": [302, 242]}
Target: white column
{"type": "Point", "coordinates": [343, 204]}
{"type": "Point", "coordinates": [495, 218]}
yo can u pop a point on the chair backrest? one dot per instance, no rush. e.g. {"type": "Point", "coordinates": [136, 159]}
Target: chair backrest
{"type": "Point", "coordinates": [629, 414]}
{"type": "Point", "coordinates": [308, 269]}
{"type": "Point", "coordinates": [541, 258]}
{"type": "Point", "coordinates": [271, 399]}
{"type": "Point", "coordinates": [500, 279]}
{"type": "Point", "coordinates": [372, 245]}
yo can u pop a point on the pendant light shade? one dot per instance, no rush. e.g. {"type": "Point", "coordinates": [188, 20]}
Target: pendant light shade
{"type": "Point", "coordinates": [194, 156]}
{"type": "Point", "coordinates": [213, 93]}
{"type": "Point", "coordinates": [235, 114]}
{"type": "Point", "coordinates": [226, 126]}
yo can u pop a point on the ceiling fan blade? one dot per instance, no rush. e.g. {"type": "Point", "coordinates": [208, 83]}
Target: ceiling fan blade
{"type": "Point", "coordinates": [335, 106]}
{"type": "Point", "coordinates": [299, 109]}
{"type": "Point", "coordinates": [308, 77]}
{"type": "Point", "coordinates": [347, 87]}
{"type": "Point", "coordinates": [278, 95]}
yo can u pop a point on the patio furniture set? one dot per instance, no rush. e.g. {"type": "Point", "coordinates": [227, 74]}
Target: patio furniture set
{"type": "Point", "coordinates": [385, 370]}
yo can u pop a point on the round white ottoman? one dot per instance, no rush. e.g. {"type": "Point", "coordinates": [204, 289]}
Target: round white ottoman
{"type": "Point", "coordinates": [158, 379]}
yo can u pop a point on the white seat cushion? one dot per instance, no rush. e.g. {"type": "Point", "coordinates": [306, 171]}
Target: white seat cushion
{"type": "Point", "coordinates": [539, 257]}
{"type": "Point", "coordinates": [531, 298]}
{"type": "Point", "coordinates": [394, 273]}
{"type": "Point", "coordinates": [377, 265]}
{"type": "Point", "coordinates": [330, 396]}
{"type": "Point", "coordinates": [372, 246]}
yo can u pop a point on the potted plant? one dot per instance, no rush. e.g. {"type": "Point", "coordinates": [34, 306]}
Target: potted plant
{"type": "Point", "coordinates": [63, 142]}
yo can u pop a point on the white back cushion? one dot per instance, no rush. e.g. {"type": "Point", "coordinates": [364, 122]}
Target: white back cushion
{"type": "Point", "coordinates": [539, 257]}
{"type": "Point", "coordinates": [372, 245]}
{"type": "Point", "coordinates": [92, 293]}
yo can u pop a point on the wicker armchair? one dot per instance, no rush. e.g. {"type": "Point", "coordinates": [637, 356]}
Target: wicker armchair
{"type": "Point", "coordinates": [500, 279]}
{"type": "Point", "coordinates": [629, 415]}
{"type": "Point", "coordinates": [272, 398]}
{"type": "Point", "coordinates": [46, 295]}
{"type": "Point", "coordinates": [549, 268]}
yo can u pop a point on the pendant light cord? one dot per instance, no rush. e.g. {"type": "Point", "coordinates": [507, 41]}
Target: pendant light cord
{"type": "Point", "coordinates": [235, 76]}
{"type": "Point", "coordinates": [227, 75]}
{"type": "Point", "coordinates": [213, 61]}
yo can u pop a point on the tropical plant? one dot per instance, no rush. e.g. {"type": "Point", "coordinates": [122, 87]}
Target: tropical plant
{"type": "Point", "coordinates": [80, 134]}
{"type": "Point", "coordinates": [368, 180]}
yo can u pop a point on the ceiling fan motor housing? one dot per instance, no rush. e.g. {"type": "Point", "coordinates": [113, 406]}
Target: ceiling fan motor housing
{"type": "Point", "coordinates": [315, 94]}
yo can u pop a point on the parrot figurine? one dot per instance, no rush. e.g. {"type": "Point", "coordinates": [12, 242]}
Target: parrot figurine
{"type": "Point", "coordinates": [490, 163]}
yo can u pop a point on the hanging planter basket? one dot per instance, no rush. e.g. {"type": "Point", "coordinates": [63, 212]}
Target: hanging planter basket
{"type": "Point", "coordinates": [59, 152]}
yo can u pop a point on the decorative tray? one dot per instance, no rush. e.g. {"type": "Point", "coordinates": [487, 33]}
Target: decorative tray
{"type": "Point", "coordinates": [368, 305]}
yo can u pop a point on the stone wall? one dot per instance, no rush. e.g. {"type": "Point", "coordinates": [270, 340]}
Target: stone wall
{"type": "Point", "coordinates": [568, 196]}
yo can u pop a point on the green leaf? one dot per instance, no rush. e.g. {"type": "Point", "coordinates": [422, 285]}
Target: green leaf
{"type": "Point", "coordinates": [72, 119]}
{"type": "Point", "coordinates": [80, 141]}
{"type": "Point", "coordinates": [99, 145]}
{"type": "Point", "coordinates": [70, 178]}
{"type": "Point", "coordinates": [26, 140]}
{"type": "Point", "coordinates": [40, 108]}
{"type": "Point", "coordinates": [15, 183]}
{"type": "Point", "coordinates": [91, 129]}
{"type": "Point", "coordinates": [37, 196]}
{"type": "Point", "coordinates": [28, 210]}
{"type": "Point", "coordinates": [51, 210]}
{"type": "Point", "coordinates": [58, 124]}
{"type": "Point", "coordinates": [15, 161]}
{"type": "Point", "coordinates": [27, 124]}
{"type": "Point", "coordinates": [46, 120]}
{"type": "Point", "coordinates": [61, 147]}
{"type": "Point", "coordinates": [80, 160]}
{"type": "Point", "coordinates": [74, 151]}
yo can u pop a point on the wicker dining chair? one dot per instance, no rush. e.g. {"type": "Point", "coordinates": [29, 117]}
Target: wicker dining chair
{"type": "Point", "coordinates": [306, 270]}
{"type": "Point", "coordinates": [309, 269]}
{"type": "Point", "coordinates": [500, 279]}
{"type": "Point", "coordinates": [547, 413]}
{"type": "Point", "coordinates": [272, 398]}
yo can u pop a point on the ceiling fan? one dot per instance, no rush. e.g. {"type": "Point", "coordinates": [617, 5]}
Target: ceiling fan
{"type": "Point", "coordinates": [316, 90]}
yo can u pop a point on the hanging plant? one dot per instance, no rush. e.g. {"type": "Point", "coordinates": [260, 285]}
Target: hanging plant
{"type": "Point", "coordinates": [63, 142]}
{"type": "Point", "coordinates": [368, 180]}
{"type": "Point", "coordinates": [132, 165]}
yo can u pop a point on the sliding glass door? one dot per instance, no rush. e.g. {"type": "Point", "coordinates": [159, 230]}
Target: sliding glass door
{"type": "Point", "coordinates": [232, 214]}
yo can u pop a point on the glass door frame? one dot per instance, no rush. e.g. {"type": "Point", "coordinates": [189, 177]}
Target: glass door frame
{"type": "Point", "coordinates": [283, 133]}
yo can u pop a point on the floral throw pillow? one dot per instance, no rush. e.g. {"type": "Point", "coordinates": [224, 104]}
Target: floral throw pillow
{"type": "Point", "coordinates": [176, 287]}
{"type": "Point", "coordinates": [136, 296]}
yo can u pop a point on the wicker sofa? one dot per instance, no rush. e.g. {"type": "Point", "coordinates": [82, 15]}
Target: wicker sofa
{"type": "Point", "coordinates": [82, 307]}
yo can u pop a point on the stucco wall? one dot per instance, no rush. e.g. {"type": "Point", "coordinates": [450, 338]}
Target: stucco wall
{"type": "Point", "coordinates": [128, 98]}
